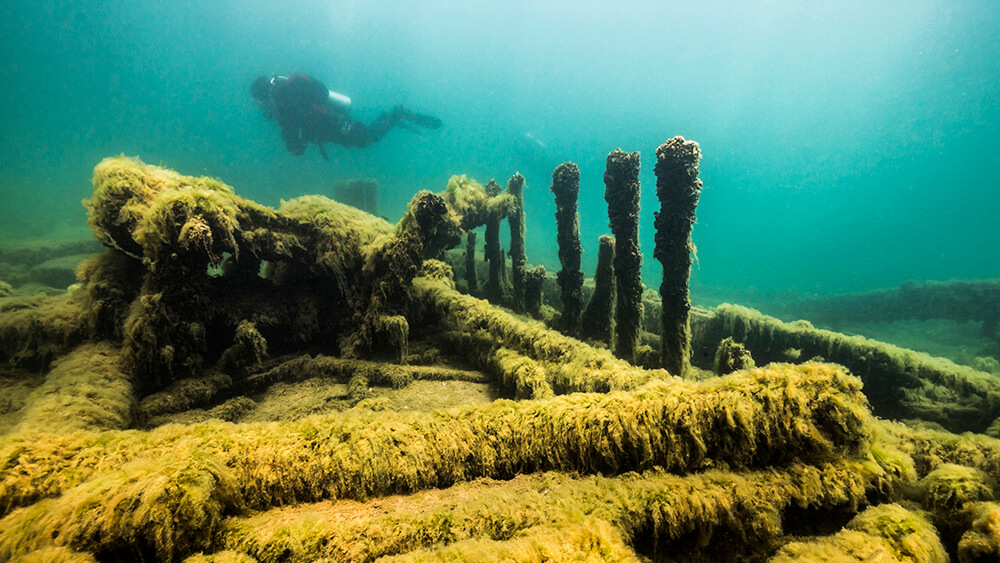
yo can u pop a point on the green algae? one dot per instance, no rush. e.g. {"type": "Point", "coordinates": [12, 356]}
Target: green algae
{"type": "Point", "coordinates": [597, 459]}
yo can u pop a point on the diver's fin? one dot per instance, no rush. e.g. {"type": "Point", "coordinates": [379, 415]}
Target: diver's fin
{"type": "Point", "coordinates": [322, 151]}
{"type": "Point", "coordinates": [428, 121]}
{"type": "Point", "coordinates": [408, 127]}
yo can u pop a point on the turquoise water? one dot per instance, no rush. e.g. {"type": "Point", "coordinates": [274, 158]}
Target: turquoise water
{"type": "Point", "coordinates": [847, 146]}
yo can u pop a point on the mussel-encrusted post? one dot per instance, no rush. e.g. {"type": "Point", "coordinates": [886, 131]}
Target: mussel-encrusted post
{"type": "Point", "coordinates": [566, 187]}
{"type": "Point", "coordinates": [678, 188]}
{"type": "Point", "coordinates": [517, 255]}
{"type": "Point", "coordinates": [621, 180]}
{"type": "Point", "coordinates": [471, 275]}
{"type": "Point", "coordinates": [599, 318]}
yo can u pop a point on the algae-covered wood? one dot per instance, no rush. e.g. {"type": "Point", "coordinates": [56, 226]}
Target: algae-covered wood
{"type": "Point", "coordinates": [234, 383]}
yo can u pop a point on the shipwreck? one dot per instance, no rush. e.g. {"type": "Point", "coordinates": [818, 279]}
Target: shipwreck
{"type": "Point", "coordinates": [232, 382]}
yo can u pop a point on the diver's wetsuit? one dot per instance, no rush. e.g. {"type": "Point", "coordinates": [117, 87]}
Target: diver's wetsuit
{"type": "Point", "coordinates": [303, 110]}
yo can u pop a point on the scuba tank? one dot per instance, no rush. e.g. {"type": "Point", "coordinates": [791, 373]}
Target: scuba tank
{"type": "Point", "coordinates": [340, 101]}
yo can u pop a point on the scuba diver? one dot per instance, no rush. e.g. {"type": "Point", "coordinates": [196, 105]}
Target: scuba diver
{"type": "Point", "coordinates": [307, 112]}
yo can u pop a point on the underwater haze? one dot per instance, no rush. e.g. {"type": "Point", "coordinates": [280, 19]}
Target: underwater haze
{"type": "Point", "coordinates": [846, 146]}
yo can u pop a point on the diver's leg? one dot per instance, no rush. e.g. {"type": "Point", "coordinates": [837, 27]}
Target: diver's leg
{"type": "Point", "coordinates": [341, 130]}
{"type": "Point", "coordinates": [293, 143]}
{"type": "Point", "coordinates": [352, 133]}
{"type": "Point", "coordinates": [385, 122]}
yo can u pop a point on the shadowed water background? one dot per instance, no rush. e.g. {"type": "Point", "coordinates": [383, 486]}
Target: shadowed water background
{"type": "Point", "coordinates": [847, 146]}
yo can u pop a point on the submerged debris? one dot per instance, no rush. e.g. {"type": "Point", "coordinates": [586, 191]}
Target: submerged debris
{"type": "Point", "coordinates": [157, 429]}
{"type": "Point", "coordinates": [732, 356]}
{"type": "Point", "coordinates": [956, 300]}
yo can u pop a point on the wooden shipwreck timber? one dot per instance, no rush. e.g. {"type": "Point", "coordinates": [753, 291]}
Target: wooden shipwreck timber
{"type": "Point", "coordinates": [235, 383]}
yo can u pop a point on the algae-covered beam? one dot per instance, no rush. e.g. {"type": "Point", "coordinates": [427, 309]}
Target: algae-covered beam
{"type": "Point", "coordinates": [678, 188]}
{"type": "Point", "coordinates": [900, 383]}
{"type": "Point", "coordinates": [878, 533]}
{"type": "Point", "coordinates": [599, 318]}
{"type": "Point", "coordinates": [930, 448]}
{"type": "Point", "coordinates": [216, 387]}
{"type": "Point", "coordinates": [101, 491]}
{"type": "Point", "coordinates": [621, 179]}
{"type": "Point", "coordinates": [34, 253]}
{"type": "Point", "coordinates": [36, 330]}
{"type": "Point", "coordinates": [85, 390]}
{"type": "Point", "coordinates": [566, 187]}
{"type": "Point", "coordinates": [525, 377]}
{"type": "Point", "coordinates": [571, 365]}
{"type": "Point", "coordinates": [776, 415]}
{"type": "Point", "coordinates": [961, 301]}
{"type": "Point", "coordinates": [652, 512]}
